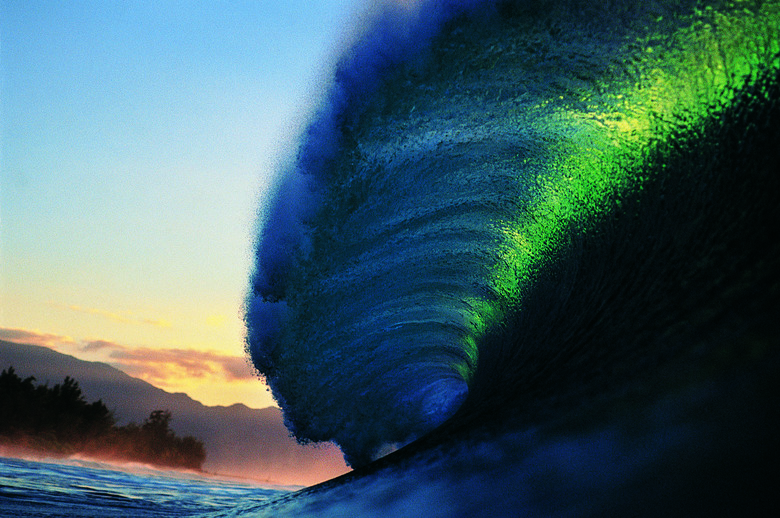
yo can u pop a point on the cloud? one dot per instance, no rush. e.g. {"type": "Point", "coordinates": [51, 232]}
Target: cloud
{"type": "Point", "coordinates": [126, 317]}
{"type": "Point", "coordinates": [216, 320]}
{"type": "Point", "coordinates": [99, 345]}
{"type": "Point", "coordinates": [169, 367]}
{"type": "Point", "coordinates": [157, 322]}
{"type": "Point", "coordinates": [238, 368]}
{"type": "Point", "coordinates": [160, 365]}
{"type": "Point", "coordinates": [33, 337]}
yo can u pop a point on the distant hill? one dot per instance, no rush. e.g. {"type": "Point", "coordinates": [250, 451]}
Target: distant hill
{"type": "Point", "coordinates": [239, 440]}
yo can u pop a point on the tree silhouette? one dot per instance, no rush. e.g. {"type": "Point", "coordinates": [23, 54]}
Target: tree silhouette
{"type": "Point", "coordinates": [60, 420]}
{"type": "Point", "coordinates": [157, 425]}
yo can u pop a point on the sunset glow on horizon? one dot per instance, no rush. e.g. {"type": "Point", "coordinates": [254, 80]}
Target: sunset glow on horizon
{"type": "Point", "coordinates": [138, 142]}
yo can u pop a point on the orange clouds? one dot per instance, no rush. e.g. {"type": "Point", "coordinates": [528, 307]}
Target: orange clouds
{"type": "Point", "coordinates": [162, 367]}
{"type": "Point", "coordinates": [27, 336]}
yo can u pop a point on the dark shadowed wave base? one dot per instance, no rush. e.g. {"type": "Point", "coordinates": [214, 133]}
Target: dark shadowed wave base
{"type": "Point", "coordinates": [529, 251]}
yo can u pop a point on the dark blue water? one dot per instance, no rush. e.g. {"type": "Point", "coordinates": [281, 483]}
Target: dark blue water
{"type": "Point", "coordinates": [91, 489]}
{"type": "Point", "coordinates": [530, 246]}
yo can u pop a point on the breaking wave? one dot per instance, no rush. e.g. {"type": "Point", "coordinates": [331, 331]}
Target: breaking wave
{"type": "Point", "coordinates": [509, 210]}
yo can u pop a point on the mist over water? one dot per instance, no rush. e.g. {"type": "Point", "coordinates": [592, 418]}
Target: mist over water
{"type": "Point", "coordinates": [522, 216]}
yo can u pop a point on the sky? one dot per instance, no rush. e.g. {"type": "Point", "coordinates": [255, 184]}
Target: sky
{"type": "Point", "coordinates": [139, 140]}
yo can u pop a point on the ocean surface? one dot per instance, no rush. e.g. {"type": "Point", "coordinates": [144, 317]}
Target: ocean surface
{"type": "Point", "coordinates": [525, 263]}
{"type": "Point", "coordinates": [38, 489]}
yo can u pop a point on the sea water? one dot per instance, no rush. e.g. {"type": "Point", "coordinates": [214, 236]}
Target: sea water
{"type": "Point", "coordinates": [47, 489]}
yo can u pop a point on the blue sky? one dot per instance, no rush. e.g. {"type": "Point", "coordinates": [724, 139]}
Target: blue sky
{"type": "Point", "coordinates": [138, 139]}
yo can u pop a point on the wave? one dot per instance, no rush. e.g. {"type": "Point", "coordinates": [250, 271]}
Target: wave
{"type": "Point", "coordinates": [509, 211]}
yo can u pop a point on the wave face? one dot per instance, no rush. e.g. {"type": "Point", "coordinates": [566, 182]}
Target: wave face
{"type": "Point", "coordinates": [509, 210]}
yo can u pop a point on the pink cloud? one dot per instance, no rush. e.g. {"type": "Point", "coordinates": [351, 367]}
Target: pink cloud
{"type": "Point", "coordinates": [238, 368]}
{"type": "Point", "coordinates": [101, 345]}
{"type": "Point", "coordinates": [32, 337]}
{"type": "Point", "coordinates": [157, 366]}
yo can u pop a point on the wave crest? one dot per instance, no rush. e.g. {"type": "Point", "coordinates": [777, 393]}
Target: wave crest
{"type": "Point", "coordinates": [467, 147]}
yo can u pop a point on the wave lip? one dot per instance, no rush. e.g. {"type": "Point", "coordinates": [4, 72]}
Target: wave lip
{"type": "Point", "coordinates": [343, 283]}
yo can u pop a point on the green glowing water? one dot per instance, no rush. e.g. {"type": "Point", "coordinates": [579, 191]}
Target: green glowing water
{"type": "Point", "coordinates": [602, 136]}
